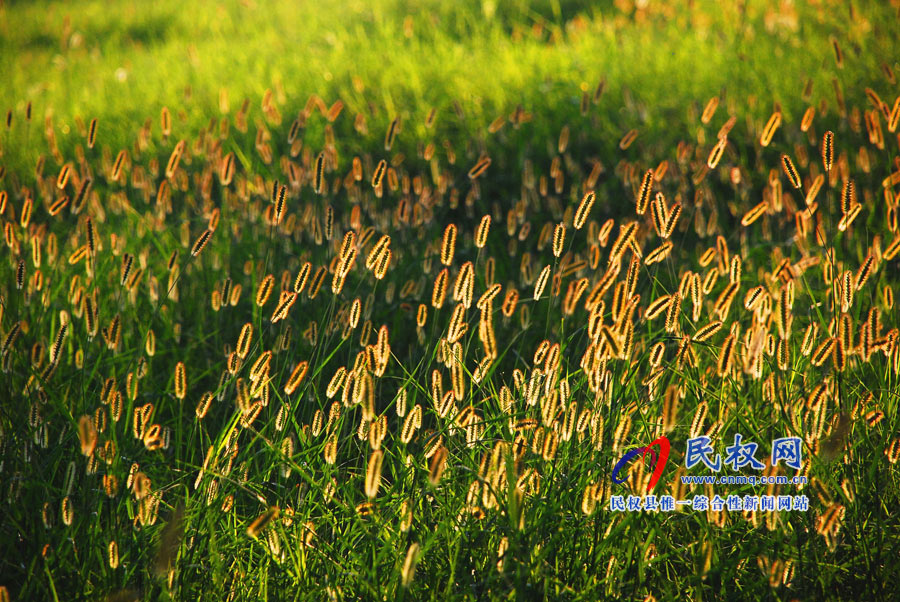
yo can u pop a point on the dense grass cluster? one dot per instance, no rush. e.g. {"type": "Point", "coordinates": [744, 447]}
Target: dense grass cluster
{"type": "Point", "coordinates": [370, 312]}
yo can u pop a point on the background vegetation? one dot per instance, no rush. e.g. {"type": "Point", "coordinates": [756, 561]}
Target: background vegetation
{"type": "Point", "coordinates": [509, 517]}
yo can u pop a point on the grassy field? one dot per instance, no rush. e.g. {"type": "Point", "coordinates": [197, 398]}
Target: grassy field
{"type": "Point", "coordinates": [367, 302]}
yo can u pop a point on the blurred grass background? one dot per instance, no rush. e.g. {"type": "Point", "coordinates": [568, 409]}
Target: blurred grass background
{"type": "Point", "coordinates": [123, 62]}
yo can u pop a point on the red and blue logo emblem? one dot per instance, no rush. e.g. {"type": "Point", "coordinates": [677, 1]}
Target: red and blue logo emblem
{"type": "Point", "coordinates": [660, 457]}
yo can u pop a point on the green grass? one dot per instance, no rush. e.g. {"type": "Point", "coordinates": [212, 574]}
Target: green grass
{"type": "Point", "coordinates": [473, 62]}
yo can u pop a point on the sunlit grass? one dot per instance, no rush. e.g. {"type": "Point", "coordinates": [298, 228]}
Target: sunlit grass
{"type": "Point", "coordinates": [229, 384]}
